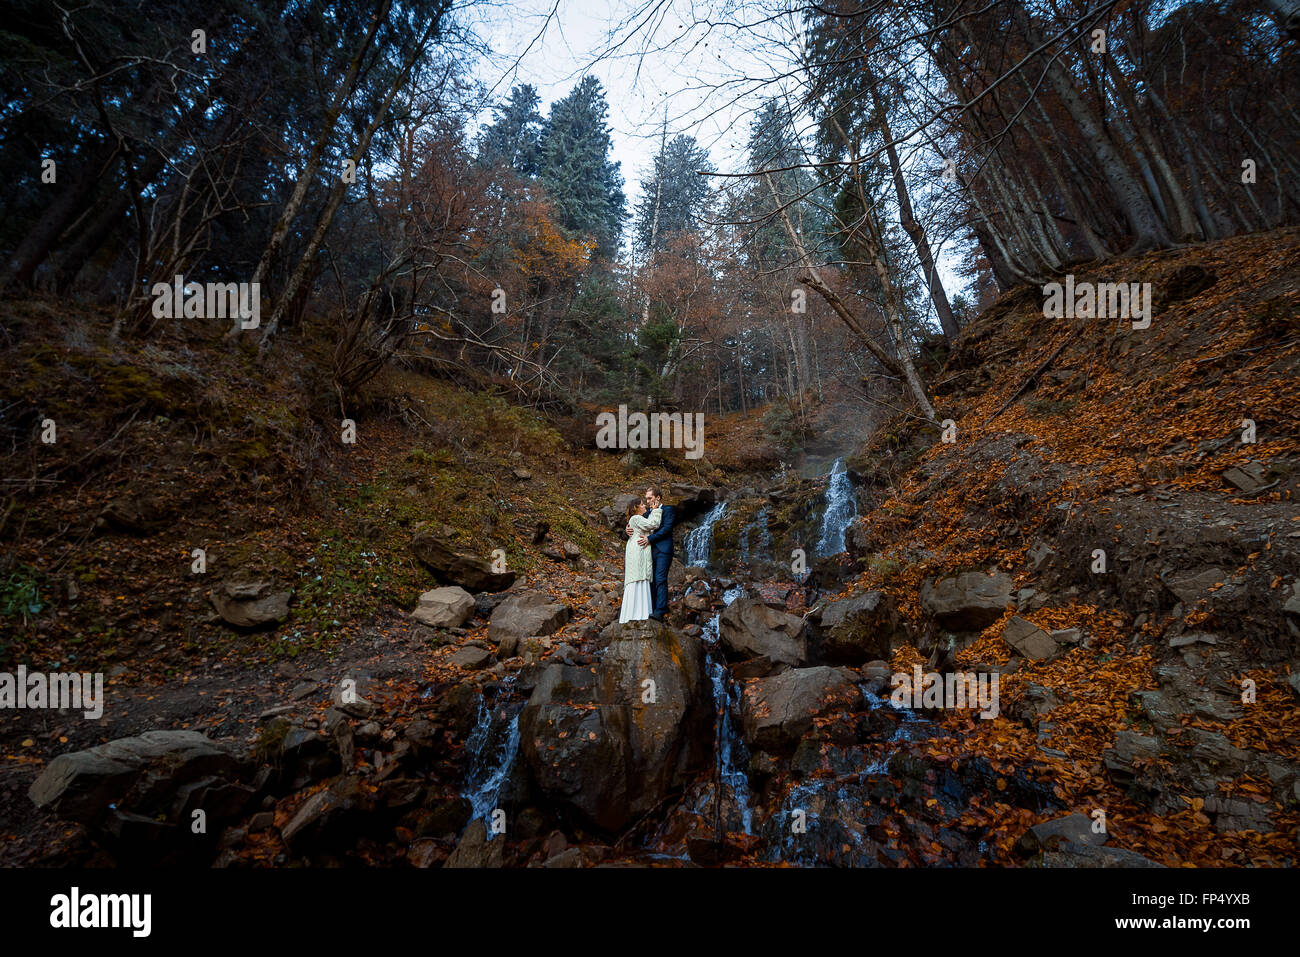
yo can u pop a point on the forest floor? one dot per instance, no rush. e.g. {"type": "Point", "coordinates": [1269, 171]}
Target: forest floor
{"type": "Point", "coordinates": [1110, 438]}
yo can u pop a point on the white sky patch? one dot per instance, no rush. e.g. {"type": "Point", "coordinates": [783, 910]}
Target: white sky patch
{"type": "Point", "coordinates": [709, 64]}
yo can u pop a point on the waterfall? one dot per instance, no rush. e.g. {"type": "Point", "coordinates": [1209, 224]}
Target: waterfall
{"type": "Point", "coordinates": [699, 540]}
{"type": "Point", "coordinates": [731, 757]}
{"type": "Point", "coordinates": [494, 744]}
{"type": "Point", "coordinates": [761, 548]}
{"type": "Point", "coordinates": [841, 509]}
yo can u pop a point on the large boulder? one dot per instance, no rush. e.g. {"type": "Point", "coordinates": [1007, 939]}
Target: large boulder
{"type": "Point", "coordinates": [141, 774]}
{"type": "Point", "coordinates": [750, 629]}
{"type": "Point", "coordinates": [615, 515]}
{"type": "Point", "coordinates": [691, 500]}
{"type": "Point", "coordinates": [863, 628]}
{"type": "Point", "coordinates": [250, 604]}
{"type": "Point", "coordinates": [525, 615]}
{"type": "Point", "coordinates": [608, 743]}
{"type": "Point", "coordinates": [968, 602]}
{"type": "Point", "coordinates": [776, 712]}
{"type": "Point", "coordinates": [448, 607]}
{"type": "Point", "coordinates": [434, 550]}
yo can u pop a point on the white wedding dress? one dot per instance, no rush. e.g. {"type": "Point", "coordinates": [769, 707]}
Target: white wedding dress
{"type": "Point", "coordinates": [638, 567]}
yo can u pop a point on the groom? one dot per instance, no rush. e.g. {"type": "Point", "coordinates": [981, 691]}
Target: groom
{"type": "Point", "coordinates": [661, 542]}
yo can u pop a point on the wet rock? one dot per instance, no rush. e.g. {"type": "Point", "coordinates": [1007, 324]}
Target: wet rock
{"type": "Point", "coordinates": [250, 604]}
{"type": "Point", "coordinates": [696, 603]}
{"type": "Point", "coordinates": [759, 667]}
{"type": "Point", "coordinates": [423, 853]}
{"type": "Point", "coordinates": [448, 607]}
{"type": "Point", "coordinates": [609, 742]}
{"type": "Point", "coordinates": [526, 614]}
{"type": "Point", "coordinates": [434, 550]}
{"type": "Point", "coordinates": [750, 629]}
{"type": "Point", "coordinates": [776, 712]}
{"type": "Point", "coordinates": [967, 602]}
{"type": "Point", "coordinates": [444, 819]}
{"type": "Point", "coordinates": [861, 628]}
{"type": "Point", "coordinates": [691, 500]}
{"type": "Point", "coordinates": [569, 857]}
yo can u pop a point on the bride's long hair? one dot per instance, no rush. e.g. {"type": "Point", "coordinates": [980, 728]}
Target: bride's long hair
{"type": "Point", "coordinates": [631, 509]}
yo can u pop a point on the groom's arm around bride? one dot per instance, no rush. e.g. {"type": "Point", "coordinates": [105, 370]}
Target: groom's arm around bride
{"type": "Point", "coordinates": [660, 542]}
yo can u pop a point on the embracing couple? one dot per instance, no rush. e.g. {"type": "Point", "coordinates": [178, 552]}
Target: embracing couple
{"type": "Point", "coordinates": [647, 557]}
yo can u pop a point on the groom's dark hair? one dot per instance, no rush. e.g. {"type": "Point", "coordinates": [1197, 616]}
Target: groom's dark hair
{"type": "Point", "coordinates": [654, 490]}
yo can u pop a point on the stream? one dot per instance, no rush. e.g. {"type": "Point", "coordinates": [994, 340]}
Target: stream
{"type": "Point", "coordinates": [827, 812]}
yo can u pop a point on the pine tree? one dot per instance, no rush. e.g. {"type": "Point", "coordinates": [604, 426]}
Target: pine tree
{"type": "Point", "coordinates": [514, 140]}
{"type": "Point", "coordinates": [576, 170]}
{"type": "Point", "coordinates": [682, 195]}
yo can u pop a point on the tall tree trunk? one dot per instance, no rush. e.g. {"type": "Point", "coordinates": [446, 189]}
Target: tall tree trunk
{"type": "Point", "coordinates": [297, 279]}
{"type": "Point", "coordinates": [1136, 117]}
{"type": "Point", "coordinates": [69, 202]}
{"type": "Point", "coordinates": [342, 94]}
{"type": "Point", "coordinates": [907, 218]}
{"type": "Point", "coordinates": [91, 236]}
{"type": "Point", "coordinates": [812, 278]}
{"type": "Point", "coordinates": [1145, 226]}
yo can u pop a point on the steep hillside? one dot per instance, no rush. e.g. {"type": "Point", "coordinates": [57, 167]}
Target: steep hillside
{"type": "Point", "coordinates": [1156, 689]}
{"type": "Point", "coordinates": [1075, 438]}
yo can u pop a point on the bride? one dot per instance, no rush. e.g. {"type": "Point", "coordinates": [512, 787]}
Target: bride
{"type": "Point", "coordinates": [638, 564]}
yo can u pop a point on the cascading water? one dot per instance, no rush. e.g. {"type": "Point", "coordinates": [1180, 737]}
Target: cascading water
{"type": "Point", "coordinates": [699, 540]}
{"type": "Point", "coordinates": [749, 549]}
{"type": "Point", "coordinates": [494, 744]}
{"type": "Point", "coordinates": [841, 509]}
{"type": "Point", "coordinates": [729, 750]}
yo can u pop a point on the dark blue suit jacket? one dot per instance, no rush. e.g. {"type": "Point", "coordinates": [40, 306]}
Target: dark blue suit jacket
{"type": "Point", "coordinates": [661, 539]}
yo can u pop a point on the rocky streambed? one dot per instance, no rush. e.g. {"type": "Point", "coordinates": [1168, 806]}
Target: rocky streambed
{"type": "Point", "coordinates": [755, 727]}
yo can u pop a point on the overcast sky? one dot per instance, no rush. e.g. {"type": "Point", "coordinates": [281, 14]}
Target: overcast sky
{"type": "Point", "coordinates": [710, 62]}
{"type": "Point", "coordinates": [666, 56]}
